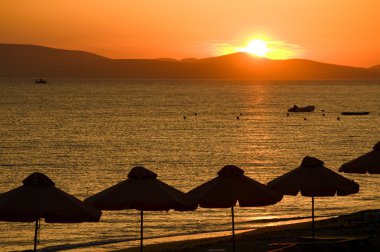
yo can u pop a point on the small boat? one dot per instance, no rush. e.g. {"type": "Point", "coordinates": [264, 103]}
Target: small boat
{"type": "Point", "coordinates": [295, 108]}
{"type": "Point", "coordinates": [355, 113]}
{"type": "Point", "coordinates": [40, 81]}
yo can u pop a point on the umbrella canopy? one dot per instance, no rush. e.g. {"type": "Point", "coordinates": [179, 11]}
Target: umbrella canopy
{"type": "Point", "coordinates": [232, 186]}
{"type": "Point", "coordinates": [38, 198]}
{"type": "Point", "coordinates": [368, 162]}
{"type": "Point", "coordinates": [141, 191]}
{"type": "Point", "coordinates": [313, 179]}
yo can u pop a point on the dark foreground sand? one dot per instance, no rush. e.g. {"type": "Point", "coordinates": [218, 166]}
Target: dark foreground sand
{"type": "Point", "coordinates": [355, 232]}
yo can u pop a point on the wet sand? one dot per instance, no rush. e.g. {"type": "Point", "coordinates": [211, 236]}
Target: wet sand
{"type": "Point", "coordinates": [354, 232]}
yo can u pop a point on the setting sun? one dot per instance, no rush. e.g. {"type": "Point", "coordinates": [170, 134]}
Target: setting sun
{"type": "Point", "coordinates": [257, 47]}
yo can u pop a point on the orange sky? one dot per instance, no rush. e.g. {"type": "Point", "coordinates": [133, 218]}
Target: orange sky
{"type": "Point", "coordinates": [333, 31]}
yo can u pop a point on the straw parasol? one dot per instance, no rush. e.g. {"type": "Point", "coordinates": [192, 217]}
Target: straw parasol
{"type": "Point", "coordinates": [38, 198]}
{"type": "Point", "coordinates": [312, 179]}
{"type": "Point", "coordinates": [368, 162]}
{"type": "Point", "coordinates": [141, 191]}
{"type": "Point", "coordinates": [232, 186]}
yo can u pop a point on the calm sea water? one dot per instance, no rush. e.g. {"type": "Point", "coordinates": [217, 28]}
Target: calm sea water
{"type": "Point", "coordinates": [86, 135]}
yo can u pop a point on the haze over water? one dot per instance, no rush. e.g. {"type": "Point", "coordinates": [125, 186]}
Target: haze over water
{"type": "Point", "coordinates": [86, 135]}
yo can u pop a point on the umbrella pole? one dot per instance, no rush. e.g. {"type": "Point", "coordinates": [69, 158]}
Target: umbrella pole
{"type": "Point", "coordinates": [233, 229]}
{"type": "Point", "coordinates": [312, 216]}
{"type": "Point", "coordinates": [35, 235]}
{"type": "Point", "coordinates": [141, 231]}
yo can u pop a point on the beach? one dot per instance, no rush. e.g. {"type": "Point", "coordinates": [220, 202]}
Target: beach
{"type": "Point", "coordinates": [87, 135]}
{"type": "Point", "coordinates": [185, 126]}
{"type": "Point", "coordinates": [359, 231]}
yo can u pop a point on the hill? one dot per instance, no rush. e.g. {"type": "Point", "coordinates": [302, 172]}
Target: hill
{"type": "Point", "coordinates": [375, 68]}
{"type": "Point", "coordinates": [37, 61]}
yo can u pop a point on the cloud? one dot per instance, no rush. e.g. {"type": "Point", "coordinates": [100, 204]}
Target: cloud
{"type": "Point", "coordinates": [283, 50]}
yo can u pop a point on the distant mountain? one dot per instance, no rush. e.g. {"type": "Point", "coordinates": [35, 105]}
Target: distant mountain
{"type": "Point", "coordinates": [33, 61]}
{"type": "Point", "coordinates": [36, 61]}
{"type": "Point", "coordinates": [375, 68]}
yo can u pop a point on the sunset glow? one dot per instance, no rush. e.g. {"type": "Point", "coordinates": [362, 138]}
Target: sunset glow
{"type": "Point", "coordinates": [257, 47]}
{"type": "Point", "coordinates": [191, 29]}
{"type": "Point", "coordinates": [264, 47]}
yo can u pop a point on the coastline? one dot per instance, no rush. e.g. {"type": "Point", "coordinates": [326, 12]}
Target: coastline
{"type": "Point", "coordinates": [80, 158]}
{"type": "Point", "coordinates": [358, 231]}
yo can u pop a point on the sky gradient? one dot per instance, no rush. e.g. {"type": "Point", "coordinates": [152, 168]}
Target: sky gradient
{"type": "Point", "coordinates": [341, 31]}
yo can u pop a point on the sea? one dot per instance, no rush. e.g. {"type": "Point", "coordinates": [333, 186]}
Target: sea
{"type": "Point", "coordinates": [86, 135]}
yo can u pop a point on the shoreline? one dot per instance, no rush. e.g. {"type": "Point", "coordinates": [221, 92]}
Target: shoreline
{"type": "Point", "coordinates": [346, 231]}
{"type": "Point", "coordinates": [120, 245]}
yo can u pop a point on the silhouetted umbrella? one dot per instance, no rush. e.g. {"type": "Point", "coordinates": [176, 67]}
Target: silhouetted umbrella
{"type": "Point", "coordinates": [314, 180]}
{"type": "Point", "coordinates": [38, 198]}
{"type": "Point", "coordinates": [232, 186]}
{"type": "Point", "coordinates": [368, 162]}
{"type": "Point", "coordinates": [141, 191]}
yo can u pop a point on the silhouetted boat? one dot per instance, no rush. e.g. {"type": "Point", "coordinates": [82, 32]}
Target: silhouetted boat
{"type": "Point", "coordinates": [40, 81]}
{"type": "Point", "coordinates": [355, 113]}
{"type": "Point", "coordinates": [295, 108]}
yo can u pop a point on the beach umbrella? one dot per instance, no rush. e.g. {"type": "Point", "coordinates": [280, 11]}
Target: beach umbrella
{"type": "Point", "coordinates": [141, 191]}
{"type": "Point", "coordinates": [232, 186]}
{"type": "Point", "coordinates": [368, 162]}
{"type": "Point", "coordinates": [312, 179]}
{"type": "Point", "coordinates": [38, 198]}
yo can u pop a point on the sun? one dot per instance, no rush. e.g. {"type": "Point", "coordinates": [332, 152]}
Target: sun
{"type": "Point", "coordinates": [257, 47]}
{"type": "Point", "coordinates": [262, 47]}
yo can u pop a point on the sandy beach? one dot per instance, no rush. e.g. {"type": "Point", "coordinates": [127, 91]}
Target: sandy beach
{"type": "Point", "coordinates": [358, 231]}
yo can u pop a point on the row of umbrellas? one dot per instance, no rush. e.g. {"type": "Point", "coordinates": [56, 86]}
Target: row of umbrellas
{"type": "Point", "coordinates": [38, 198]}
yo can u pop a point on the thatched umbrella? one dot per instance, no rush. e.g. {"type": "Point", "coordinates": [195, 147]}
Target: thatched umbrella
{"type": "Point", "coordinates": [38, 198]}
{"type": "Point", "coordinates": [141, 191]}
{"type": "Point", "coordinates": [232, 186]}
{"type": "Point", "coordinates": [312, 179]}
{"type": "Point", "coordinates": [368, 162]}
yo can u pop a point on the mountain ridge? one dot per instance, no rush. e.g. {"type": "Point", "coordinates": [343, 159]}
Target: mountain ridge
{"type": "Point", "coordinates": [20, 60]}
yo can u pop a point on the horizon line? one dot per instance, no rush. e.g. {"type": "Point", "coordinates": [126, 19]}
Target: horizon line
{"type": "Point", "coordinates": [187, 58]}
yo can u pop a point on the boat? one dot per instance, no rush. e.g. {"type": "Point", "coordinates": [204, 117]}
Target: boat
{"type": "Point", "coordinates": [355, 113]}
{"type": "Point", "coordinates": [40, 81]}
{"type": "Point", "coordinates": [295, 108]}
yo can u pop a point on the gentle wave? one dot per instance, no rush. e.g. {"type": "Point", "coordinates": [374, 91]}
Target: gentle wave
{"type": "Point", "coordinates": [86, 136]}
